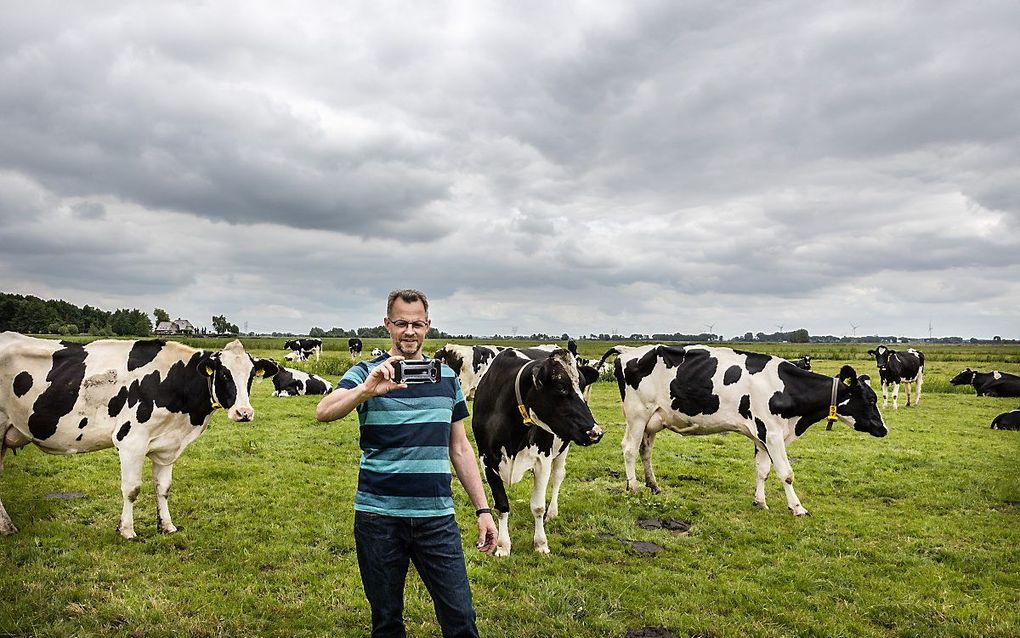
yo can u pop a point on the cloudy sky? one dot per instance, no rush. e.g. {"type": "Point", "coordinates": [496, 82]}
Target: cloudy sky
{"type": "Point", "coordinates": [533, 166]}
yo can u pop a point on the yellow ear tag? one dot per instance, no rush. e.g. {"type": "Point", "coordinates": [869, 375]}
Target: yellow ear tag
{"type": "Point", "coordinates": [832, 414]}
{"type": "Point", "coordinates": [209, 371]}
{"type": "Point", "coordinates": [846, 382]}
{"type": "Point", "coordinates": [260, 373]}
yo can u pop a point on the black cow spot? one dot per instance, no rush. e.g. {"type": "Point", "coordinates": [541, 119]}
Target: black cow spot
{"type": "Point", "coordinates": [83, 423]}
{"type": "Point", "coordinates": [143, 352]}
{"type": "Point", "coordinates": [79, 436]}
{"type": "Point", "coordinates": [22, 384]}
{"type": "Point", "coordinates": [692, 389]}
{"type": "Point", "coordinates": [123, 431]}
{"type": "Point", "coordinates": [638, 369]}
{"type": "Point", "coordinates": [65, 377]}
{"type": "Point", "coordinates": [745, 406]}
{"type": "Point", "coordinates": [756, 362]}
{"type": "Point", "coordinates": [760, 425]}
{"type": "Point", "coordinates": [184, 390]}
{"type": "Point", "coordinates": [732, 375]}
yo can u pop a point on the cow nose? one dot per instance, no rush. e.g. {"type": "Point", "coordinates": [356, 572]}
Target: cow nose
{"type": "Point", "coordinates": [595, 434]}
{"type": "Point", "coordinates": [242, 415]}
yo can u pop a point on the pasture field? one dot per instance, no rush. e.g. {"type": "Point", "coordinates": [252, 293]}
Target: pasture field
{"type": "Point", "coordinates": [916, 534]}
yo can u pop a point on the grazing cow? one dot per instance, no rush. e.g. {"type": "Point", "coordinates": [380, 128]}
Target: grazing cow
{"type": "Point", "coordinates": [1007, 420]}
{"type": "Point", "coordinates": [291, 383]}
{"type": "Point", "coordinates": [527, 412]}
{"type": "Point", "coordinates": [804, 363]}
{"type": "Point", "coordinates": [469, 363]}
{"type": "Point", "coordinates": [306, 346]}
{"type": "Point", "coordinates": [989, 384]}
{"type": "Point", "coordinates": [144, 398]}
{"type": "Point", "coordinates": [354, 346]}
{"type": "Point", "coordinates": [695, 390]}
{"type": "Point", "coordinates": [895, 368]}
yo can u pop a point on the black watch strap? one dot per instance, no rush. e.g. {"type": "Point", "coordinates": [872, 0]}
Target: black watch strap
{"type": "Point", "coordinates": [482, 510]}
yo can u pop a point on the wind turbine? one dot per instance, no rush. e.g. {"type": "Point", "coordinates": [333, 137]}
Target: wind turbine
{"type": "Point", "coordinates": [854, 326]}
{"type": "Point", "coordinates": [710, 326]}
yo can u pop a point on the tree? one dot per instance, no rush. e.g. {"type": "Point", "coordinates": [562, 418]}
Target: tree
{"type": "Point", "coordinates": [222, 326]}
{"type": "Point", "coordinates": [800, 336]}
{"type": "Point", "coordinates": [316, 332]}
{"type": "Point", "coordinates": [161, 315]}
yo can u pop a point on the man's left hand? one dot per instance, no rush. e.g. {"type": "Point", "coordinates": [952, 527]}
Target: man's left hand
{"type": "Point", "coordinates": [486, 533]}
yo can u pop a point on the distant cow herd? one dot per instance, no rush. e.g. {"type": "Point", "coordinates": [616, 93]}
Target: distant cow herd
{"type": "Point", "coordinates": [151, 399]}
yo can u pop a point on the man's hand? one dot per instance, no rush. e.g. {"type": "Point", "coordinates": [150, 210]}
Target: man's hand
{"type": "Point", "coordinates": [380, 379]}
{"type": "Point", "coordinates": [486, 533]}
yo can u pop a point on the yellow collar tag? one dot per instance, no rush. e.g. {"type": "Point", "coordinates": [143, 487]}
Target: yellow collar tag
{"type": "Point", "coordinates": [524, 414]}
{"type": "Point", "coordinates": [832, 414]}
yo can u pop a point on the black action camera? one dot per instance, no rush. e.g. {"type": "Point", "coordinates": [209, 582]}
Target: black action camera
{"type": "Point", "coordinates": [411, 372]}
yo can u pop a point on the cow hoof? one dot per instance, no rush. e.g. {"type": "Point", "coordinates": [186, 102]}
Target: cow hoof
{"type": "Point", "coordinates": [551, 514]}
{"type": "Point", "coordinates": [632, 486]}
{"type": "Point", "coordinates": [7, 530]}
{"type": "Point", "coordinates": [169, 529]}
{"type": "Point", "coordinates": [762, 505]}
{"type": "Point", "coordinates": [800, 511]}
{"type": "Point", "coordinates": [542, 549]}
{"type": "Point", "coordinates": [128, 534]}
{"type": "Point", "coordinates": [502, 551]}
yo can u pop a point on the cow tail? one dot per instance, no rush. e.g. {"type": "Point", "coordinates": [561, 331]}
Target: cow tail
{"type": "Point", "coordinates": [614, 350]}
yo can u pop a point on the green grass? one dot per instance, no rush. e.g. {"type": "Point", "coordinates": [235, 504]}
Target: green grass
{"type": "Point", "coordinates": [915, 534]}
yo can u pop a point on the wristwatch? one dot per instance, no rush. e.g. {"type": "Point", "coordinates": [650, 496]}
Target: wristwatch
{"type": "Point", "coordinates": [482, 510]}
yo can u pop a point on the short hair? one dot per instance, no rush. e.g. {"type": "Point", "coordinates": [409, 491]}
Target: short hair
{"type": "Point", "coordinates": [407, 295]}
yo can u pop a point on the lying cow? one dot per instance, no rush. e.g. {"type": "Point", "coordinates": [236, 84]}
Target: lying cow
{"type": "Point", "coordinates": [704, 390]}
{"type": "Point", "coordinates": [307, 346]}
{"type": "Point", "coordinates": [298, 355]}
{"type": "Point", "coordinates": [989, 384]}
{"type": "Point", "coordinates": [895, 368]}
{"type": "Point", "coordinates": [1007, 420]}
{"type": "Point", "coordinates": [528, 410]}
{"type": "Point", "coordinates": [354, 346]}
{"type": "Point", "coordinates": [144, 398]}
{"type": "Point", "coordinates": [291, 383]}
{"type": "Point", "coordinates": [469, 363]}
{"type": "Point", "coordinates": [804, 363]}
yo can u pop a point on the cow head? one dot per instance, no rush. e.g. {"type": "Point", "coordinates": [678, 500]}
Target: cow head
{"type": "Point", "coordinates": [291, 345]}
{"type": "Point", "coordinates": [964, 378]}
{"type": "Point", "coordinates": [453, 359]}
{"type": "Point", "coordinates": [859, 407]}
{"type": "Point", "coordinates": [881, 354]}
{"type": "Point", "coordinates": [557, 403]}
{"type": "Point", "coordinates": [230, 372]}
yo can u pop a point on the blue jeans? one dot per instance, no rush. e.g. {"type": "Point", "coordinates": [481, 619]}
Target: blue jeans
{"type": "Point", "coordinates": [386, 544]}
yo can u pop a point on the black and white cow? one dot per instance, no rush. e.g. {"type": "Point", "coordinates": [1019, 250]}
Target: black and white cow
{"type": "Point", "coordinates": [550, 391]}
{"type": "Point", "coordinates": [291, 383]}
{"type": "Point", "coordinates": [298, 355]}
{"type": "Point", "coordinates": [989, 384]}
{"type": "Point", "coordinates": [804, 363]}
{"type": "Point", "coordinates": [895, 368]}
{"type": "Point", "coordinates": [695, 390]}
{"type": "Point", "coordinates": [354, 346]}
{"type": "Point", "coordinates": [377, 352]}
{"type": "Point", "coordinates": [1007, 420]}
{"type": "Point", "coordinates": [469, 363]}
{"type": "Point", "coordinates": [144, 398]}
{"type": "Point", "coordinates": [306, 346]}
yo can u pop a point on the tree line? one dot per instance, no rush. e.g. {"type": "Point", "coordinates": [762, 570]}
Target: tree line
{"type": "Point", "coordinates": [28, 314]}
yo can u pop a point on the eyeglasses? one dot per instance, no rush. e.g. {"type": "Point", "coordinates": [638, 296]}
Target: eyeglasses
{"type": "Point", "coordinates": [400, 324]}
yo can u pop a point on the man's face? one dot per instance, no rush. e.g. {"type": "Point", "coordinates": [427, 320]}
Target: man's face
{"type": "Point", "coordinates": [407, 325]}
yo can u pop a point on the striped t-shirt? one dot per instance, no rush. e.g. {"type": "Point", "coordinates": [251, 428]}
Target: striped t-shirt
{"type": "Point", "coordinates": [405, 443]}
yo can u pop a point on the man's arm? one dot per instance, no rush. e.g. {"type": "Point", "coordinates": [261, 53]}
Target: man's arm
{"type": "Point", "coordinates": [462, 455]}
{"type": "Point", "coordinates": [339, 403]}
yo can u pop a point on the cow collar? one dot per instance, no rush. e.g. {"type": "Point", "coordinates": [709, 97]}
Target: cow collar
{"type": "Point", "coordinates": [832, 418]}
{"type": "Point", "coordinates": [212, 396]}
{"type": "Point", "coordinates": [520, 401]}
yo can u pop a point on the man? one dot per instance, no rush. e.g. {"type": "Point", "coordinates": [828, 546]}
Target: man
{"type": "Point", "coordinates": [403, 509]}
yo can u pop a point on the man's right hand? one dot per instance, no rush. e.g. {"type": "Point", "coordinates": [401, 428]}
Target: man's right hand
{"type": "Point", "coordinates": [380, 379]}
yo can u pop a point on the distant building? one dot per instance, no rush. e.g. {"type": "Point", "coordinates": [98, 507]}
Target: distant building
{"type": "Point", "coordinates": [176, 327]}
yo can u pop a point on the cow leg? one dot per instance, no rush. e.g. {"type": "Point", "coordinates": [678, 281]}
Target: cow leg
{"type": "Point", "coordinates": [161, 476]}
{"type": "Point", "coordinates": [12, 439]}
{"type": "Point", "coordinates": [885, 395]}
{"type": "Point", "coordinates": [559, 471]}
{"type": "Point", "coordinates": [632, 438]}
{"type": "Point", "coordinates": [918, 382]}
{"type": "Point", "coordinates": [542, 470]}
{"type": "Point", "coordinates": [131, 462]}
{"type": "Point", "coordinates": [895, 396]}
{"type": "Point", "coordinates": [762, 466]}
{"type": "Point", "coordinates": [647, 443]}
{"type": "Point", "coordinates": [777, 450]}
{"type": "Point", "coordinates": [501, 504]}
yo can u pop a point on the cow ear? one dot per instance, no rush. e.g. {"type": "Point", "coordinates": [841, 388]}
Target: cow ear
{"type": "Point", "coordinates": [265, 368]}
{"type": "Point", "coordinates": [209, 363]}
{"type": "Point", "coordinates": [865, 379]}
{"type": "Point", "coordinates": [847, 375]}
{"type": "Point", "coordinates": [871, 352]}
{"type": "Point", "coordinates": [539, 376]}
{"type": "Point", "coordinates": [588, 374]}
